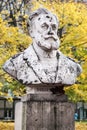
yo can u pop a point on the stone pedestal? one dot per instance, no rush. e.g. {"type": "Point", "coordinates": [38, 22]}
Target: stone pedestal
{"type": "Point", "coordinates": [44, 112]}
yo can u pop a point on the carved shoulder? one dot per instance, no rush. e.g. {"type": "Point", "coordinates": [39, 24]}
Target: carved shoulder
{"type": "Point", "coordinates": [78, 67]}
{"type": "Point", "coordinates": [11, 65]}
{"type": "Point", "coordinates": [70, 63]}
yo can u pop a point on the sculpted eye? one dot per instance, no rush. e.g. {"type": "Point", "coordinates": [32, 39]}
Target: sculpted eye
{"type": "Point", "coordinates": [44, 26]}
{"type": "Point", "coordinates": [54, 27]}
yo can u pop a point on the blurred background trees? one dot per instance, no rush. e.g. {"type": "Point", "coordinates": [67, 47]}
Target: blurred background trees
{"type": "Point", "coordinates": [72, 32]}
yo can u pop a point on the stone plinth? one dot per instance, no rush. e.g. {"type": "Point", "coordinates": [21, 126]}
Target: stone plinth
{"type": "Point", "coordinates": [44, 112]}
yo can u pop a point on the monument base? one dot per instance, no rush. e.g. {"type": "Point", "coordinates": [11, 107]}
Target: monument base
{"type": "Point", "coordinates": [44, 112]}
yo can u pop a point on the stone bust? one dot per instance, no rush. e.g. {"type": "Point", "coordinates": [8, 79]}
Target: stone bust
{"type": "Point", "coordinates": [41, 64]}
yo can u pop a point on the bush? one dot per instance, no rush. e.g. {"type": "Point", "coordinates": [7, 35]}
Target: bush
{"type": "Point", "coordinates": [6, 126]}
{"type": "Point", "coordinates": [10, 126]}
{"type": "Point", "coordinates": [81, 126]}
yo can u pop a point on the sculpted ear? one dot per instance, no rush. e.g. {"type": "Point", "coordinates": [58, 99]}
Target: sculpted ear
{"type": "Point", "coordinates": [30, 29]}
{"type": "Point", "coordinates": [31, 33]}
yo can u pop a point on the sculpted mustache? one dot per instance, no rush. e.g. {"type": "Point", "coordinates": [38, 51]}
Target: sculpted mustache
{"type": "Point", "coordinates": [51, 36]}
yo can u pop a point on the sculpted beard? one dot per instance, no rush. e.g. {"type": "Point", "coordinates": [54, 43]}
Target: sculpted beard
{"type": "Point", "coordinates": [48, 42]}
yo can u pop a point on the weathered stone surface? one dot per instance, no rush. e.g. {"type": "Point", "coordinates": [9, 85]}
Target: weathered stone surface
{"type": "Point", "coordinates": [41, 63]}
{"type": "Point", "coordinates": [18, 116]}
{"type": "Point", "coordinates": [46, 112]}
{"type": "Point", "coordinates": [50, 116]}
{"type": "Point", "coordinates": [45, 97]}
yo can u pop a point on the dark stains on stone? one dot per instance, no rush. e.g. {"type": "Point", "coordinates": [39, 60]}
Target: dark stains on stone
{"type": "Point", "coordinates": [30, 83]}
{"type": "Point", "coordinates": [25, 73]}
{"type": "Point", "coordinates": [26, 83]}
{"type": "Point", "coordinates": [6, 68]}
{"type": "Point", "coordinates": [71, 59]}
{"type": "Point", "coordinates": [35, 81]}
{"type": "Point", "coordinates": [39, 19]}
{"type": "Point", "coordinates": [21, 80]}
{"type": "Point", "coordinates": [47, 16]}
{"type": "Point", "coordinates": [59, 78]}
{"type": "Point", "coordinates": [57, 55]}
{"type": "Point", "coordinates": [46, 72]}
{"type": "Point", "coordinates": [24, 58]}
{"type": "Point", "coordinates": [58, 90]}
{"type": "Point", "coordinates": [71, 69]}
{"type": "Point", "coordinates": [36, 119]}
{"type": "Point", "coordinates": [13, 57]}
{"type": "Point", "coordinates": [51, 80]}
{"type": "Point", "coordinates": [12, 62]}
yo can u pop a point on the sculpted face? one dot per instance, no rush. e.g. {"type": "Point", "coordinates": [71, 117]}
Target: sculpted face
{"type": "Point", "coordinates": [44, 32]}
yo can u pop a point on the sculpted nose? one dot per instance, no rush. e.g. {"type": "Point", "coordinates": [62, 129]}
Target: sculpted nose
{"type": "Point", "coordinates": [50, 31]}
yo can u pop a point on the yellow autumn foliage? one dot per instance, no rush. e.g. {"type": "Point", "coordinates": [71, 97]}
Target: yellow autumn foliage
{"type": "Point", "coordinates": [12, 41]}
{"type": "Point", "coordinates": [10, 126]}
{"type": "Point", "coordinates": [6, 126]}
{"type": "Point", "coordinates": [81, 126]}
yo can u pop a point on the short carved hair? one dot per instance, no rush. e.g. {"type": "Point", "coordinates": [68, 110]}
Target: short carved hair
{"type": "Point", "coordinates": [35, 14]}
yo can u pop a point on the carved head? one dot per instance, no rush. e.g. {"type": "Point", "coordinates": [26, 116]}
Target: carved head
{"type": "Point", "coordinates": [43, 27]}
